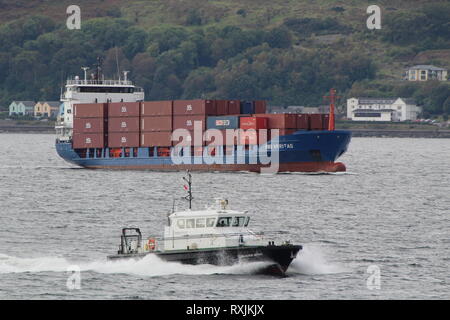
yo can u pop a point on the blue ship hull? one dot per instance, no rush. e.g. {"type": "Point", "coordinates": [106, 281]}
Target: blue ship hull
{"type": "Point", "coordinates": [302, 151]}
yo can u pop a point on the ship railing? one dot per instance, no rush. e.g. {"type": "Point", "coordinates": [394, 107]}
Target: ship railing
{"type": "Point", "coordinates": [101, 82]}
{"type": "Point", "coordinates": [257, 238]}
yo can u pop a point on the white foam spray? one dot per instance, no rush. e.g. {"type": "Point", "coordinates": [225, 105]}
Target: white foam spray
{"type": "Point", "coordinates": [148, 266]}
{"type": "Point", "coordinates": [311, 260]}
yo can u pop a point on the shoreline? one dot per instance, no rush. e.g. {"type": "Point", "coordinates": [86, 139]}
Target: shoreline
{"type": "Point", "coordinates": [396, 133]}
{"type": "Point", "coordinates": [379, 133]}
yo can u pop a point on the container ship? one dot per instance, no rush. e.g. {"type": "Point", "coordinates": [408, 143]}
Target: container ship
{"type": "Point", "coordinates": [107, 124]}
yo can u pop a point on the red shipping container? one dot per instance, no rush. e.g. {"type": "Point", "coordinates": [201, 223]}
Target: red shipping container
{"type": "Point", "coordinates": [124, 109]}
{"type": "Point", "coordinates": [156, 139]}
{"type": "Point", "coordinates": [156, 123]}
{"type": "Point", "coordinates": [123, 139]}
{"type": "Point", "coordinates": [163, 152]}
{"type": "Point", "coordinates": [260, 106]}
{"type": "Point", "coordinates": [234, 107]}
{"type": "Point", "coordinates": [279, 121]}
{"type": "Point", "coordinates": [194, 107]}
{"type": "Point", "coordinates": [229, 137]}
{"type": "Point", "coordinates": [156, 108]}
{"type": "Point", "coordinates": [302, 122]}
{"type": "Point", "coordinates": [88, 125]}
{"type": "Point", "coordinates": [123, 124]}
{"type": "Point", "coordinates": [90, 110]}
{"type": "Point", "coordinates": [197, 151]}
{"type": "Point", "coordinates": [221, 107]}
{"type": "Point", "coordinates": [325, 121]}
{"type": "Point", "coordinates": [252, 123]}
{"type": "Point", "coordinates": [281, 132]}
{"type": "Point", "coordinates": [188, 121]}
{"type": "Point", "coordinates": [315, 121]}
{"type": "Point", "coordinates": [252, 137]}
{"type": "Point", "coordinates": [88, 140]}
{"type": "Point", "coordinates": [188, 139]}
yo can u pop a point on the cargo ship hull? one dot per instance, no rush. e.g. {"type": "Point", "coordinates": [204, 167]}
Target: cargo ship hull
{"type": "Point", "coordinates": [302, 151]}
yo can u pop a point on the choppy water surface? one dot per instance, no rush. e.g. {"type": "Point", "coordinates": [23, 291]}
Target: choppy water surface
{"type": "Point", "coordinates": [390, 210]}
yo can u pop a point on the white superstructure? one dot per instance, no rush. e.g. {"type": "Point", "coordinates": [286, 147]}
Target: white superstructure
{"type": "Point", "coordinates": [94, 90]}
{"type": "Point", "coordinates": [211, 228]}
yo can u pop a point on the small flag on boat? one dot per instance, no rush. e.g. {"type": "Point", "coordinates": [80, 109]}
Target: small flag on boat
{"type": "Point", "coordinates": [185, 187]}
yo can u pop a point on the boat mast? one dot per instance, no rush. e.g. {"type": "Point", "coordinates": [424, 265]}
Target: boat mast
{"type": "Point", "coordinates": [188, 188]}
{"type": "Point", "coordinates": [332, 97]}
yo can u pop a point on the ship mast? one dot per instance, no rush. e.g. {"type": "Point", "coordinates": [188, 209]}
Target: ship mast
{"type": "Point", "coordinates": [188, 188]}
{"type": "Point", "coordinates": [332, 97]}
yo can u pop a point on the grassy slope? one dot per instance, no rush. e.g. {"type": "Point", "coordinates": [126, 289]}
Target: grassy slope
{"type": "Point", "coordinates": [260, 14]}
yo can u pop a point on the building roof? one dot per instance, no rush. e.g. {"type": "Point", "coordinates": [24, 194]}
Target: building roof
{"type": "Point", "coordinates": [376, 100]}
{"type": "Point", "coordinates": [373, 110]}
{"type": "Point", "coordinates": [388, 101]}
{"type": "Point", "coordinates": [25, 103]}
{"type": "Point", "coordinates": [408, 100]}
{"type": "Point", "coordinates": [426, 67]}
{"type": "Point", "coordinates": [55, 104]}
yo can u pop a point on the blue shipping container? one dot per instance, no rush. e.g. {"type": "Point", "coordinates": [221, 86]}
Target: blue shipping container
{"type": "Point", "coordinates": [247, 107]}
{"type": "Point", "coordinates": [223, 122]}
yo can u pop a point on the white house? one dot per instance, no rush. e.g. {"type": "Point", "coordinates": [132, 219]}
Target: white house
{"type": "Point", "coordinates": [382, 109]}
{"type": "Point", "coordinates": [425, 73]}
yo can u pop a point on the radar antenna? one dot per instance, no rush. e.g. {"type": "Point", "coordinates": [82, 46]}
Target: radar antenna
{"type": "Point", "coordinates": [98, 67]}
{"type": "Point", "coordinates": [85, 69]}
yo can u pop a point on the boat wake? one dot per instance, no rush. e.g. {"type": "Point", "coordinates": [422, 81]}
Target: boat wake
{"type": "Point", "coordinates": [150, 266]}
{"type": "Point", "coordinates": [311, 261]}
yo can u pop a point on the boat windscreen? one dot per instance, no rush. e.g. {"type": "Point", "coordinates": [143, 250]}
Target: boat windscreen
{"type": "Point", "coordinates": [238, 221]}
{"type": "Point", "coordinates": [224, 222]}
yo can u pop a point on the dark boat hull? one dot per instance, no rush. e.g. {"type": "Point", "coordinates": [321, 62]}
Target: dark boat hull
{"type": "Point", "coordinates": [278, 257]}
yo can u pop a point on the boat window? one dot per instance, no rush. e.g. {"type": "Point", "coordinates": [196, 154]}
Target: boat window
{"type": "Point", "coordinates": [181, 223]}
{"type": "Point", "coordinates": [247, 220]}
{"type": "Point", "coordinates": [210, 222]}
{"type": "Point", "coordinates": [190, 223]}
{"type": "Point", "coordinates": [238, 221]}
{"type": "Point", "coordinates": [200, 223]}
{"type": "Point", "coordinates": [224, 222]}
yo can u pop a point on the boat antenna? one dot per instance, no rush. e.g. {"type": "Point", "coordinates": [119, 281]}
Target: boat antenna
{"type": "Point", "coordinates": [188, 188]}
{"type": "Point", "coordinates": [117, 63]}
{"type": "Point", "coordinates": [85, 69]}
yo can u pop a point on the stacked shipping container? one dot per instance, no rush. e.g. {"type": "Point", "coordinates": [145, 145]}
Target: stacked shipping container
{"type": "Point", "coordinates": [151, 123]}
{"type": "Point", "coordinates": [89, 125]}
{"type": "Point", "coordinates": [190, 114]}
{"type": "Point", "coordinates": [123, 124]}
{"type": "Point", "coordinates": [156, 123]}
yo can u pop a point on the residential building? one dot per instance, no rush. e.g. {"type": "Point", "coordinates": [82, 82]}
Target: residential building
{"type": "Point", "coordinates": [382, 109]}
{"type": "Point", "coordinates": [21, 108]}
{"type": "Point", "coordinates": [425, 73]}
{"type": "Point", "coordinates": [49, 109]}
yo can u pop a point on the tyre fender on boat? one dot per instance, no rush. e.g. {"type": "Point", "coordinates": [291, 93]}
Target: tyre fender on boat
{"type": "Point", "coordinates": [150, 245]}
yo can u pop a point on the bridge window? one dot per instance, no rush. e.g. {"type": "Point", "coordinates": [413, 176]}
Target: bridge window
{"type": "Point", "coordinates": [181, 223]}
{"type": "Point", "coordinates": [190, 223]}
{"type": "Point", "coordinates": [210, 222]}
{"type": "Point", "coordinates": [247, 220]}
{"type": "Point", "coordinates": [200, 223]}
{"type": "Point", "coordinates": [224, 222]}
{"type": "Point", "coordinates": [238, 221]}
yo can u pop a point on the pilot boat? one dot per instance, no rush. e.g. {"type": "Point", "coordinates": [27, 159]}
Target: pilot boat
{"type": "Point", "coordinates": [216, 235]}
